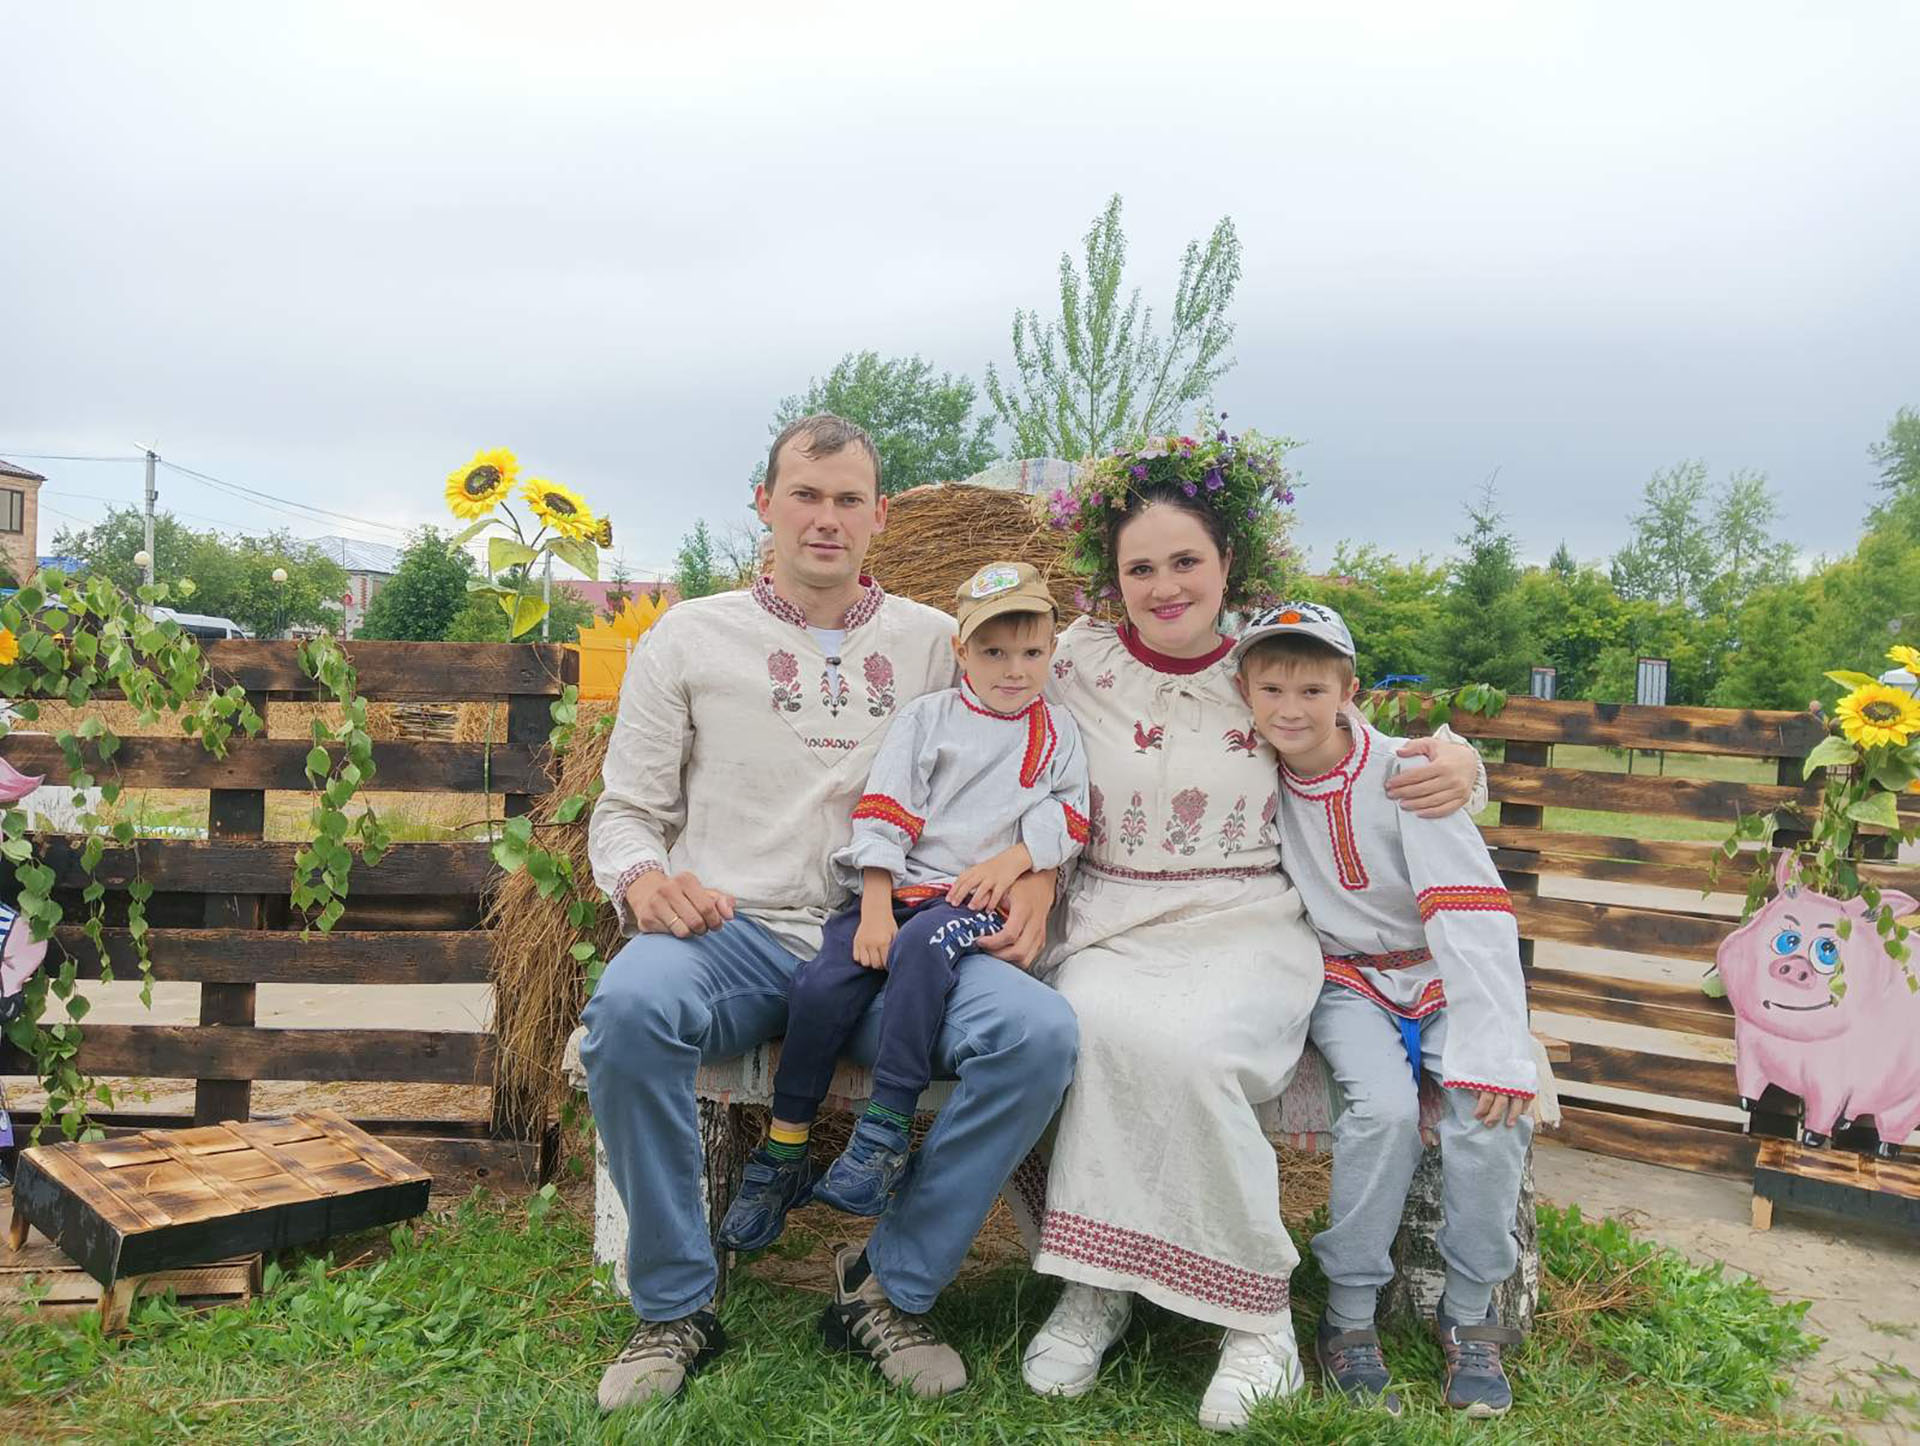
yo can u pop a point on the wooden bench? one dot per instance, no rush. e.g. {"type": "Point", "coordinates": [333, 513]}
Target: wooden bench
{"type": "Point", "coordinates": [1301, 1118]}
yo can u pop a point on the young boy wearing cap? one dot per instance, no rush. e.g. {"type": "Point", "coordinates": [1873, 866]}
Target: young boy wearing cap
{"type": "Point", "coordinates": [1422, 965]}
{"type": "Point", "coordinates": [973, 787]}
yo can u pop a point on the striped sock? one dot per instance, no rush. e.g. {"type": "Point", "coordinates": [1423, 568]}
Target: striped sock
{"type": "Point", "coordinates": [788, 1143]}
{"type": "Point", "coordinates": [878, 1111]}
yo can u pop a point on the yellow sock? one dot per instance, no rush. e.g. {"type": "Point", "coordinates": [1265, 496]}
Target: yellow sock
{"type": "Point", "coordinates": [788, 1142]}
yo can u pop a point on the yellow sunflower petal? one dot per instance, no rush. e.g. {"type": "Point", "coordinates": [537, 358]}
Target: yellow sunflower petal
{"type": "Point", "coordinates": [561, 508]}
{"type": "Point", "coordinates": [477, 488]}
{"type": "Point", "coordinates": [9, 648]}
{"type": "Point", "coordinates": [1878, 715]}
{"type": "Point", "coordinates": [1906, 656]}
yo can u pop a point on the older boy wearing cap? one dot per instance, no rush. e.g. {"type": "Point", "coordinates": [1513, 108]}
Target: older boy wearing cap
{"type": "Point", "coordinates": [974, 787]}
{"type": "Point", "coordinates": [1422, 973]}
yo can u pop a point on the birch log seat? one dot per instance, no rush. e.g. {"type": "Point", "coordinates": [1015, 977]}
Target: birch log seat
{"type": "Point", "coordinates": [1302, 1118]}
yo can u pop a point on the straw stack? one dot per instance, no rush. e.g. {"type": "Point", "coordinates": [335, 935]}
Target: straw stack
{"type": "Point", "coordinates": [939, 535]}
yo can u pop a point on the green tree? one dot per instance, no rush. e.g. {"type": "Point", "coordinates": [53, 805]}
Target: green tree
{"type": "Point", "coordinates": [1573, 616]}
{"type": "Point", "coordinates": [481, 619]}
{"type": "Point", "coordinates": [1392, 607]}
{"type": "Point", "coordinates": [1482, 629]}
{"type": "Point", "coordinates": [1100, 374]}
{"type": "Point", "coordinates": [695, 568]}
{"type": "Point", "coordinates": [427, 591]}
{"type": "Point", "coordinates": [1670, 558]}
{"type": "Point", "coordinates": [1898, 458]}
{"type": "Point", "coordinates": [106, 549]}
{"type": "Point", "coordinates": [1776, 662]}
{"type": "Point", "coordinates": [1748, 554]}
{"type": "Point", "coordinates": [922, 424]}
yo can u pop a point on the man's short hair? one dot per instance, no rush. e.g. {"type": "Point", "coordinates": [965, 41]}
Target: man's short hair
{"type": "Point", "coordinates": [1292, 650]}
{"type": "Point", "coordinates": [822, 435]}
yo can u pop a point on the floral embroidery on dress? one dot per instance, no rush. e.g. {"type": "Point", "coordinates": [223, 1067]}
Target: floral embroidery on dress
{"type": "Point", "coordinates": [879, 673]}
{"type": "Point", "coordinates": [1133, 825]}
{"type": "Point", "coordinates": [1105, 680]}
{"type": "Point", "coordinates": [1183, 829]}
{"type": "Point", "coordinates": [1238, 742]}
{"type": "Point", "coordinates": [784, 670]}
{"type": "Point", "coordinates": [1269, 819]}
{"type": "Point", "coordinates": [834, 698]}
{"type": "Point", "coordinates": [1146, 739]}
{"type": "Point", "coordinates": [1062, 667]}
{"type": "Point", "coordinates": [1235, 828]}
{"type": "Point", "coordinates": [1097, 814]}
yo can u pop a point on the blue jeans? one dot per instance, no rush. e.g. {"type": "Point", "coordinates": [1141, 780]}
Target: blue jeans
{"type": "Point", "coordinates": [664, 1005]}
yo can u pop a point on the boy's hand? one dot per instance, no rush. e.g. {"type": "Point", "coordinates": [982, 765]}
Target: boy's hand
{"type": "Point", "coordinates": [677, 904]}
{"type": "Point", "coordinates": [1493, 1110]}
{"type": "Point", "coordinates": [986, 886]}
{"type": "Point", "coordinates": [873, 939]}
{"type": "Point", "coordinates": [1028, 904]}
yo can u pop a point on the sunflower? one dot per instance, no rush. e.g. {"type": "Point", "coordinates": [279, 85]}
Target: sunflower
{"type": "Point", "coordinates": [561, 508]}
{"type": "Point", "coordinates": [486, 480]}
{"type": "Point", "coordinates": [1907, 657]}
{"type": "Point", "coordinates": [9, 648]}
{"type": "Point", "coordinates": [1876, 714]}
{"type": "Point", "coordinates": [604, 537]}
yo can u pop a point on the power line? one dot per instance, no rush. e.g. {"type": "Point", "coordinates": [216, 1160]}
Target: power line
{"type": "Point", "coordinates": [284, 502]}
{"type": "Point", "coordinates": [63, 456]}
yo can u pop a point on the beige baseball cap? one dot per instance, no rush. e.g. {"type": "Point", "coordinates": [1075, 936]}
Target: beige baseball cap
{"type": "Point", "coordinates": [997, 589]}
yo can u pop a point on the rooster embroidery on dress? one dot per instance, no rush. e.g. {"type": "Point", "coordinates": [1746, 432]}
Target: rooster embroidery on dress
{"type": "Point", "coordinates": [1146, 739]}
{"type": "Point", "coordinates": [1238, 742]}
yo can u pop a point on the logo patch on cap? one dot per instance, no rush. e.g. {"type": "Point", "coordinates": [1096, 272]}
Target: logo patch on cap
{"type": "Point", "coordinates": [991, 581]}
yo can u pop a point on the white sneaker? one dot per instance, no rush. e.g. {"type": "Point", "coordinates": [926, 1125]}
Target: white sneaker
{"type": "Point", "coordinates": [1253, 1368]}
{"type": "Point", "coordinates": [1063, 1358]}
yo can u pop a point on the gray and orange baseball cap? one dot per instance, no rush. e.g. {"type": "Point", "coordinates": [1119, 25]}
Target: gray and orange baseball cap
{"type": "Point", "coordinates": [1309, 620]}
{"type": "Point", "coordinates": [998, 589]}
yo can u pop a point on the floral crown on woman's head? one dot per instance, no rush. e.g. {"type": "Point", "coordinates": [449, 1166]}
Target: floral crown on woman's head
{"type": "Point", "coordinates": [1241, 479]}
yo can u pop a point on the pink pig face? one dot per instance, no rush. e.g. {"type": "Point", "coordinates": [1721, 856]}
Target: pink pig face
{"type": "Point", "coordinates": [1788, 971]}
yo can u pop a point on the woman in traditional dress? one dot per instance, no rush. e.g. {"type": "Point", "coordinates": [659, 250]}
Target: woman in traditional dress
{"type": "Point", "coordinates": [1181, 945]}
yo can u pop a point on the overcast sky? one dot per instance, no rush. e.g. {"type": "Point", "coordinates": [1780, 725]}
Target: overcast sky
{"type": "Point", "coordinates": [327, 250]}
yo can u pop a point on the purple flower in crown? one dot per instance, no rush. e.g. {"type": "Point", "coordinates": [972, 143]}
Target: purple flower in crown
{"type": "Point", "coordinates": [1221, 435]}
{"type": "Point", "coordinates": [1214, 480]}
{"type": "Point", "coordinates": [1064, 508]}
{"type": "Point", "coordinates": [1081, 600]}
{"type": "Point", "coordinates": [1139, 471]}
{"type": "Point", "coordinates": [1189, 488]}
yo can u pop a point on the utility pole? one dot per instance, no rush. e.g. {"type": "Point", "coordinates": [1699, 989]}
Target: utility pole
{"type": "Point", "coordinates": [151, 495]}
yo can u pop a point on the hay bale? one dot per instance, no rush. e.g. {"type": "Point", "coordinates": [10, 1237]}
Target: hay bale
{"type": "Point", "coordinates": [940, 535]}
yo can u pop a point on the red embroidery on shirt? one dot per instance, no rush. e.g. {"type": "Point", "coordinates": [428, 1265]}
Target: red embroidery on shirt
{"type": "Point", "coordinates": [871, 596]}
{"type": "Point", "coordinates": [889, 810]}
{"type": "Point", "coordinates": [1432, 997]}
{"type": "Point", "coordinates": [1387, 962]}
{"type": "Point", "coordinates": [1145, 738]}
{"type": "Point", "coordinates": [1077, 827]}
{"type": "Point", "coordinates": [1464, 898]}
{"type": "Point", "coordinates": [1337, 801]}
{"type": "Point", "coordinates": [1238, 742]}
{"type": "Point", "coordinates": [1465, 1084]}
{"type": "Point", "coordinates": [1042, 739]}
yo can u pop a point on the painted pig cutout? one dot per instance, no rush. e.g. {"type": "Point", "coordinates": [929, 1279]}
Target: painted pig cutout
{"type": "Point", "coordinates": [1848, 1054]}
{"type": "Point", "coordinates": [20, 953]}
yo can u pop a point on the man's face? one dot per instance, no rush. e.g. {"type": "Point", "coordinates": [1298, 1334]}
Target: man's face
{"type": "Point", "coordinates": [823, 512]}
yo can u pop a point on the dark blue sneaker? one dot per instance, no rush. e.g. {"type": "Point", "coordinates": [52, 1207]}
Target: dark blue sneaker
{"type": "Point", "coordinates": [768, 1190]}
{"type": "Point", "coordinates": [1351, 1363]}
{"type": "Point", "coordinates": [862, 1179]}
{"type": "Point", "coordinates": [1476, 1380]}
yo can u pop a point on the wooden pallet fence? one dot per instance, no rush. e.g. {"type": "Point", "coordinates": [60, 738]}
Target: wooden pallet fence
{"type": "Point", "coordinates": [220, 915]}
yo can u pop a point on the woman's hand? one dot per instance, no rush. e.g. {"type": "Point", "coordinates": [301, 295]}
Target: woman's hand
{"type": "Point", "coordinates": [1029, 902]}
{"type": "Point", "coordinates": [1440, 788]}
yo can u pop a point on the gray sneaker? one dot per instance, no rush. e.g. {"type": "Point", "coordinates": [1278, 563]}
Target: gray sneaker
{"type": "Point", "coordinates": [1351, 1363]}
{"type": "Point", "coordinates": [659, 1357]}
{"type": "Point", "coordinates": [1476, 1379]}
{"type": "Point", "coordinates": [902, 1346]}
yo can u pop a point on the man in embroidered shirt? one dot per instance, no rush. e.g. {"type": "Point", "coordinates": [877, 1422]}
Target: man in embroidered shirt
{"type": "Point", "coordinates": [1422, 966]}
{"type": "Point", "coordinates": [974, 787]}
{"type": "Point", "coordinates": [746, 728]}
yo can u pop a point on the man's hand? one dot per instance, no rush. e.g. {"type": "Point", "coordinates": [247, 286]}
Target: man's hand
{"type": "Point", "coordinates": [1443, 786]}
{"type": "Point", "coordinates": [986, 886]}
{"type": "Point", "coordinates": [1493, 1109]}
{"type": "Point", "coordinates": [873, 939]}
{"type": "Point", "coordinates": [1028, 903]}
{"type": "Point", "coordinates": [676, 904]}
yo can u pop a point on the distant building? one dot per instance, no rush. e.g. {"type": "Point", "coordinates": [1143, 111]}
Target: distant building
{"type": "Point", "coordinates": [19, 520]}
{"type": "Point", "coordinates": [369, 565]}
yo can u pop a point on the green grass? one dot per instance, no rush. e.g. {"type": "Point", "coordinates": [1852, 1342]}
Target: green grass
{"type": "Point", "coordinates": [485, 1325]}
{"type": "Point", "coordinates": [1711, 766]}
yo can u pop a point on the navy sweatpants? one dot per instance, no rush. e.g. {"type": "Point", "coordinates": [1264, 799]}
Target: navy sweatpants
{"type": "Point", "coordinates": [830, 992]}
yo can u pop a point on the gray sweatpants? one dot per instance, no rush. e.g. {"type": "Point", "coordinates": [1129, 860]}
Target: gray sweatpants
{"type": "Point", "coordinates": [1376, 1148]}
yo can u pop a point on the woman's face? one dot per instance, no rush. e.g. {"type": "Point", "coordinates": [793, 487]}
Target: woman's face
{"type": "Point", "coordinates": [1172, 579]}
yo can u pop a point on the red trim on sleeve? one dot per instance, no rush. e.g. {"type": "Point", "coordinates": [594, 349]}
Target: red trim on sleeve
{"type": "Point", "coordinates": [1464, 898]}
{"type": "Point", "coordinates": [1077, 827]}
{"type": "Point", "coordinates": [1467, 1084]}
{"type": "Point", "coordinates": [890, 810]}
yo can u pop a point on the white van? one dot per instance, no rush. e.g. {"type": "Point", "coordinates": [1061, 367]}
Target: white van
{"type": "Point", "coordinates": [200, 625]}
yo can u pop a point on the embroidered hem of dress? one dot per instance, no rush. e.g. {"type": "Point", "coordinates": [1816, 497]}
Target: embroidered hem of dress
{"type": "Point", "coordinates": [1195, 1285]}
{"type": "Point", "coordinates": [1162, 876]}
{"type": "Point", "coordinates": [871, 596]}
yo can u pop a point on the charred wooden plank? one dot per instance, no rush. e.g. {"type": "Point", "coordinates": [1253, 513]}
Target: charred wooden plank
{"type": "Point", "coordinates": [1710, 799]}
{"type": "Point", "coordinates": [1750, 732]}
{"type": "Point", "coordinates": [1666, 933]}
{"type": "Point", "coordinates": [187, 1051]}
{"type": "Point", "coordinates": [1859, 1186]}
{"type": "Point", "coordinates": [280, 764]}
{"type": "Point", "coordinates": [232, 816]}
{"type": "Point", "coordinates": [284, 956]}
{"type": "Point", "coordinates": [1657, 1005]}
{"type": "Point", "coordinates": [1702, 1146]}
{"type": "Point", "coordinates": [397, 672]}
{"type": "Point", "coordinates": [1708, 1081]}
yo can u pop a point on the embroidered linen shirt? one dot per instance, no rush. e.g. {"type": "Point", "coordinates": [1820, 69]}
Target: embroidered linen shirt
{"type": "Point", "coordinates": [737, 754]}
{"type": "Point", "coordinates": [1410, 912]}
{"type": "Point", "coordinates": [956, 783]}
